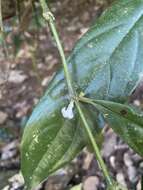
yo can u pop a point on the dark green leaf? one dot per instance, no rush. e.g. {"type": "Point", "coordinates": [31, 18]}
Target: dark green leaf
{"type": "Point", "coordinates": [105, 64]}
{"type": "Point", "coordinates": [49, 140]}
{"type": "Point", "coordinates": [127, 121]}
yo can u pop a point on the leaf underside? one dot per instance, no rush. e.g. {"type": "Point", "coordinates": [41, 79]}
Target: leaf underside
{"type": "Point", "coordinates": [106, 64]}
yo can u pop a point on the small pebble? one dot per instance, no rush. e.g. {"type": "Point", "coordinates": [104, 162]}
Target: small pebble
{"type": "Point", "coordinates": [141, 165]}
{"type": "Point", "coordinates": [132, 174]}
{"type": "Point", "coordinates": [121, 179]}
{"type": "Point", "coordinates": [139, 186]}
{"type": "Point", "coordinates": [9, 151]}
{"type": "Point", "coordinates": [91, 183]}
{"type": "Point", "coordinates": [127, 160]}
{"type": "Point", "coordinates": [112, 161]}
{"type": "Point", "coordinates": [136, 103]}
{"type": "Point", "coordinates": [16, 76]}
{"type": "Point", "coordinates": [3, 117]}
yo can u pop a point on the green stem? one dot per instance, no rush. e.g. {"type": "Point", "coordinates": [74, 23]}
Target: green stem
{"type": "Point", "coordinates": [95, 146]}
{"type": "Point", "coordinates": [2, 31]}
{"type": "Point", "coordinates": [51, 20]}
{"type": "Point", "coordinates": [1, 22]}
{"type": "Point", "coordinates": [86, 100]}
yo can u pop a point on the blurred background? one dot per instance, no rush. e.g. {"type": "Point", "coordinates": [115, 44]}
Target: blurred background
{"type": "Point", "coordinates": [28, 60]}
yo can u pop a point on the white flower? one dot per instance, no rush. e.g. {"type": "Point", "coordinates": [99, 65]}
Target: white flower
{"type": "Point", "coordinates": [67, 112]}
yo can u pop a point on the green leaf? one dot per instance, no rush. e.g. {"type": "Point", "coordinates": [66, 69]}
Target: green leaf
{"type": "Point", "coordinates": [50, 141]}
{"type": "Point", "coordinates": [77, 187]}
{"type": "Point", "coordinates": [105, 64]}
{"type": "Point", "coordinates": [127, 121]}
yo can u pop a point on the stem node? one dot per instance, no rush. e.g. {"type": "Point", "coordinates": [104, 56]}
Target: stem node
{"type": "Point", "coordinates": [48, 16]}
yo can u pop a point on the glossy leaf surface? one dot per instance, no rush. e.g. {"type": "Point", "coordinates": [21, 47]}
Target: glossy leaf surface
{"type": "Point", "coordinates": [127, 121]}
{"type": "Point", "coordinates": [50, 141]}
{"type": "Point", "coordinates": [107, 63]}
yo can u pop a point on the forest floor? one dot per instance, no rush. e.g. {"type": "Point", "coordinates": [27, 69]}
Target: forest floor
{"type": "Point", "coordinates": [33, 60]}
